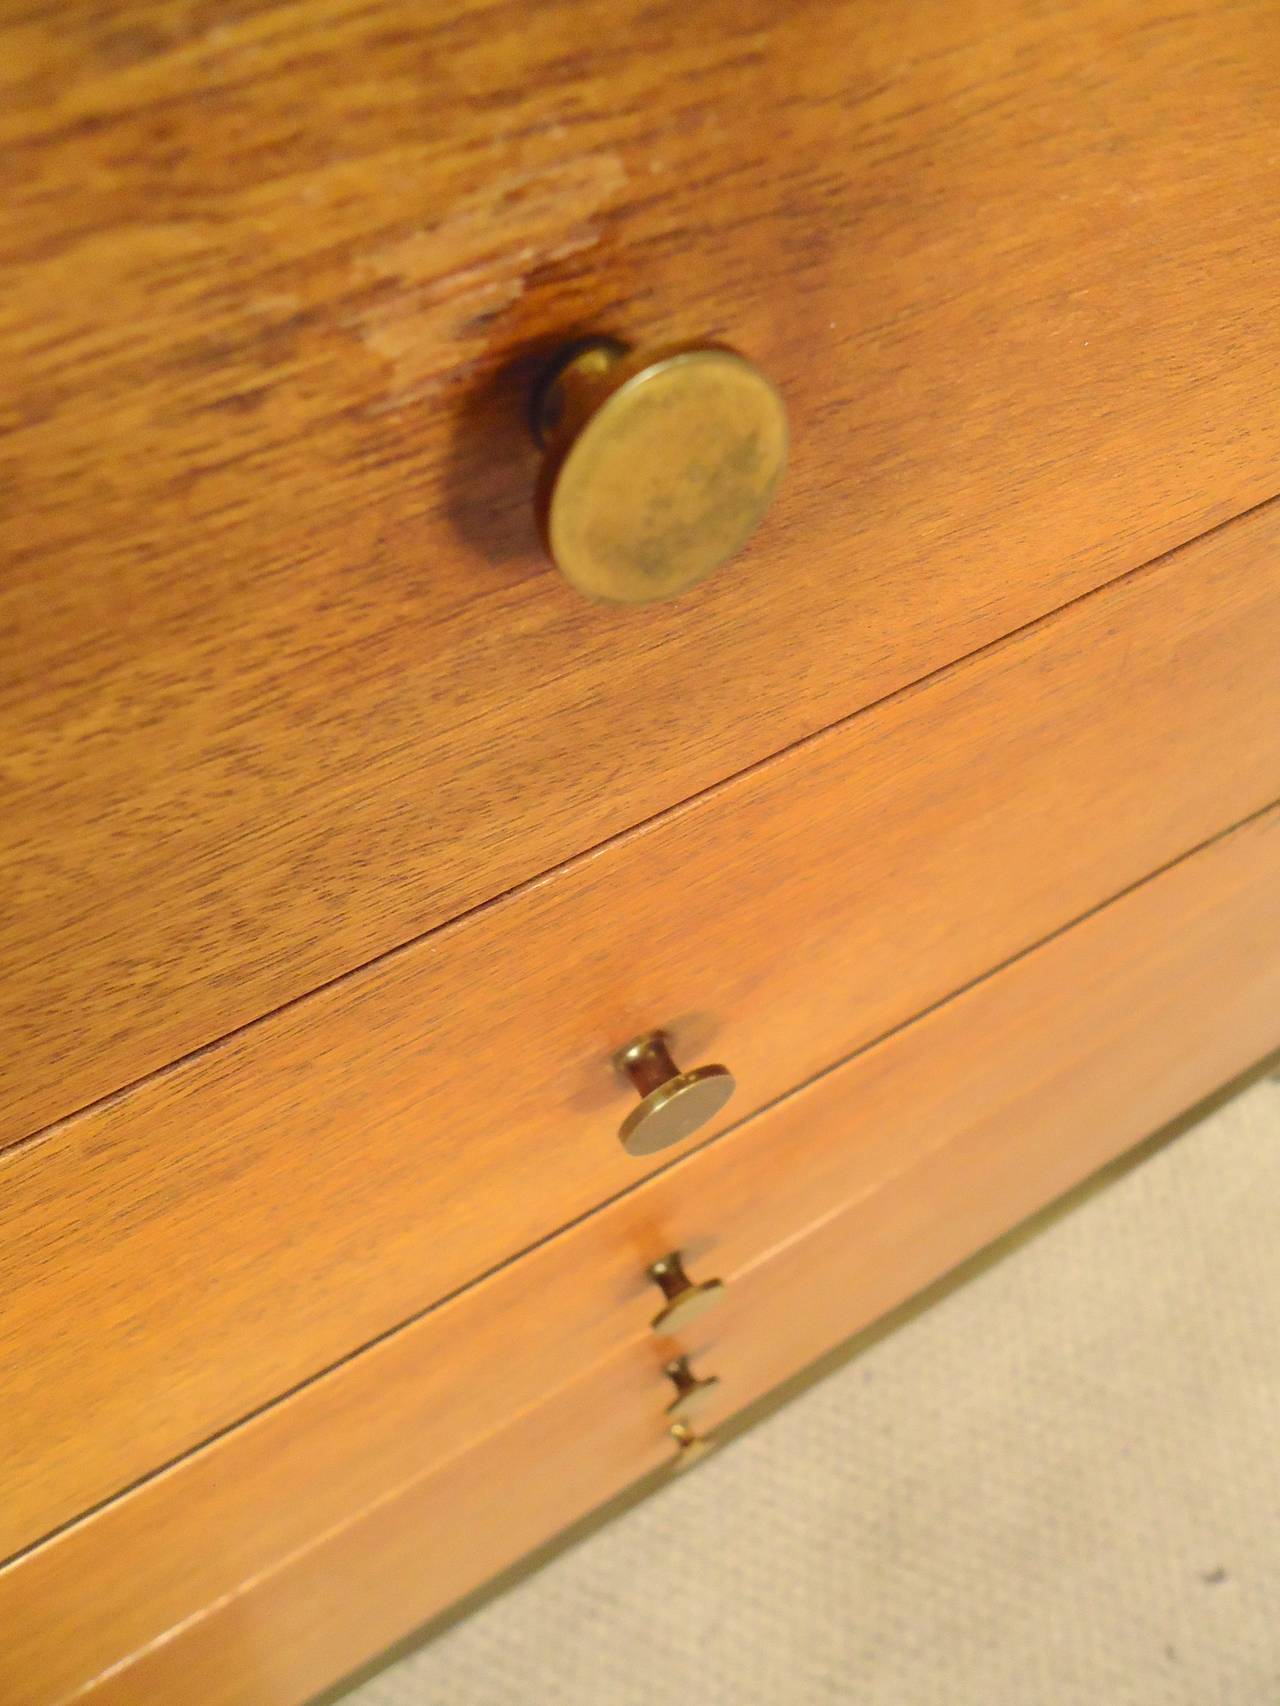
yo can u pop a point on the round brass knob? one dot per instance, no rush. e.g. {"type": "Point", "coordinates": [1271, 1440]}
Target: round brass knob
{"type": "Point", "coordinates": [690, 1447]}
{"type": "Point", "coordinates": [660, 467]}
{"type": "Point", "coordinates": [692, 1394]}
{"type": "Point", "coordinates": [673, 1103]}
{"type": "Point", "coordinates": [685, 1300]}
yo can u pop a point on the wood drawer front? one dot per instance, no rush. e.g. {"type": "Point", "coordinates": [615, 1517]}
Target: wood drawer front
{"type": "Point", "coordinates": [331, 1523]}
{"type": "Point", "coordinates": [285, 679]}
{"type": "Point", "coordinates": [176, 1257]}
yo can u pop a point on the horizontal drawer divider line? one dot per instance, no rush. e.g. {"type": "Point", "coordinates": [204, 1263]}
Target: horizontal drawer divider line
{"type": "Point", "coordinates": [561, 1231]}
{"type": "Point", "coordinates": [667, 815]}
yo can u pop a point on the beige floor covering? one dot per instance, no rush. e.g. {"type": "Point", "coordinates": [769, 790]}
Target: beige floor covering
{"type": "Point", "coordinates": [1059, 1486]}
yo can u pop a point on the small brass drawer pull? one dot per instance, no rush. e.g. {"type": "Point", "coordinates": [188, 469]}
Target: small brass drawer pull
{"type": "Point", "coordinates": [690, 1447]}
{"type": "Point", "coordinates": [673, 1103]}
{"type": "Point", "coordinates": [659, 467]}
{"type": "Point", "coordinates": [693, 1393]}
{"type": "Point", "coordinates": [686, 1301]}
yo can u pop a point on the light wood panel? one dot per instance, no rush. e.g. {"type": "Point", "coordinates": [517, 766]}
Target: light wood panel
{"type": "Point", "coordinates": [284, 680]}
{"type": "Point", "coordinates": [265, 1565]}
{"type": "Point", "coordinates": [180, 1255]}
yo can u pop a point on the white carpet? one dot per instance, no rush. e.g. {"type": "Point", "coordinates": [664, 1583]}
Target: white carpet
{"type": "Point", "coordinates": [1059, 1486]}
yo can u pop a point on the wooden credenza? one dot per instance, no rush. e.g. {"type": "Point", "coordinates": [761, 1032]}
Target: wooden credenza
{"type": "Point", "coordinates": [345, 843]}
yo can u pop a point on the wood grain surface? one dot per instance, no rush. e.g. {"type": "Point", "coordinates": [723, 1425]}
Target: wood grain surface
{"type": "Point", "coordinates": [284, 679]}
{"type": "Point", "coordinates": [179, 1255]}
{"type": "Point", "coordinates": [286, 1552]}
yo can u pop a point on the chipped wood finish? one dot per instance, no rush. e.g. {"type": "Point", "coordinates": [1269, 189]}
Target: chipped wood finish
{"type": "Point", "coordinates": [285, 1553]}
{"type": "Point", "coordinates": [284, 678]}
{"type": "Point", "coordinates": [318, 1179]}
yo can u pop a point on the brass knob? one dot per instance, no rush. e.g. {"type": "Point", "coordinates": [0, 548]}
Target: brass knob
{"type": "Point", "coordinates": [690, 1447]}
{"type": "Point", "coordinates": [692, 1393]}
{"type": "Point", "coordinates": [660, 467]}
{"type": "Point", "coordinates": [673, 1103]}
{"type": "Point", "coordinates": [685, 1300]}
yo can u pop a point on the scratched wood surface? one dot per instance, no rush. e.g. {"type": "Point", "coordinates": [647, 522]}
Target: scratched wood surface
{"type": "Point", "coordinates": [252, 1215]}
{"type": "Point", "coordinates": [266, 1565]}
{"type": "Point", "coordinates": [284, 679]}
